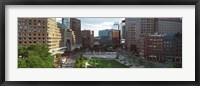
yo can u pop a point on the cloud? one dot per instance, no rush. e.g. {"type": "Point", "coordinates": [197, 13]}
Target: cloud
{"type": "Point", "coordinates": [97, 27]}
{"type": "Point", "coordinates": [96, 24]}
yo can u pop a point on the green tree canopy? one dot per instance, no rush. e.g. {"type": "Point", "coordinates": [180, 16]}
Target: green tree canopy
{"type": "Point", "coordinates": [34, 56]}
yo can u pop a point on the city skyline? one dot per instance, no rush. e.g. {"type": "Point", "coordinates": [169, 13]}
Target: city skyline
{"type": "Point", "coordinates": [121, 43]}
{"type": "Point", "coordinates": [96, 24]}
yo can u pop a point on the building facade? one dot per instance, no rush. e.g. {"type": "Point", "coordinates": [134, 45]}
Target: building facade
{"type": "Point", "coordinates": [87, 38]}
{"type": "Point", "coordinates": [154, 47]}
{"type": "Point", "coordinates": [163, 48]}
{"type": "Point", "coordinates": [178, 47]}
{"type": "Point", "coordinates": [146, 27]}
{"type": "Point", "coordinates": [105, 36]}
{"type": "Point", "coordinates": [116, 26]}
{"type": "Point", "coordinates": [138, 28]}
{"type": "Point", "coordinates": [70, 37]}
{"type": "Point", "coordinates": [63, 34]}
{"type": "Point", "coordinates": [130, 36]}
{"type": "Point", "coordinates": [39, 31]}
{"type": "Point", "coordinates": [75, 25]}
{"type": "Point", "coordinates": [123, 31]}
{"type": "Point", "coordinates": [115, 37]}
{"type": "Point", "coordinates": [168, 26]}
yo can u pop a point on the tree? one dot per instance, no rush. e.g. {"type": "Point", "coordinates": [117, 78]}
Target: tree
{"type": "Point", "coordinates": [21, 63]}
{"type": "Point", "coordinates": [80, 62]}
{"type": "Point", "coordinates": [39, 50]}
{"type": "Point", "coordinates": [35, 56]}
{"type": "Point", "coordinates": [22, 51]}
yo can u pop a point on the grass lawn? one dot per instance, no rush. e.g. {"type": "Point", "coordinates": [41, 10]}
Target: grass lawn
{"type": "Point", "coordinates": [105, 63]}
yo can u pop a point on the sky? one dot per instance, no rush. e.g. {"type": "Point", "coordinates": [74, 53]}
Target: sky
{"type": "Point", "coordinates": [97, 24]}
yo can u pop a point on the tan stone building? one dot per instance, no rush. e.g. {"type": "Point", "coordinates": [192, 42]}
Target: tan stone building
{"type": "Point", "coordinates": [39, 31]}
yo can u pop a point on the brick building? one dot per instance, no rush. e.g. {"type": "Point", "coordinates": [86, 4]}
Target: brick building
{"type": "Point", "coordinates": [39, 31]}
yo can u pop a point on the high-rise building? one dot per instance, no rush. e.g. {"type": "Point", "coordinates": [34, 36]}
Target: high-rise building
{"type": "Point", "coordinates": [178, 47]}
{"type": "Point", "coordinates": [130, 40]}
{"type": "Point", "coordinates": [109, 36]}
{"type": "Point", "coordinates": [63, 28]}
{"type": "Point", "coordinates": [153, 47]}
{"type": "Point", "coordinates": [105, 36]}
{"type": "Point", "coordinates": [66, 23]}
{"type": "Point", "coordinates": [115, 37]}
{"type": "Point", "coordinates": [75, 25]}
{"type": "Point", "coordinates": [70, 37]}
{"type": "Point", "coordinates": [96, 40]}
{"type": "Point", "coordinates": [136, 29]}
{"type": "Point", "coordinates": [116, 26]}
{"type": "Point", "coordinates": [146, 27]}
{"type": "Point", "coordinates": [163, 48]}
{"type": "Point", "coordinates": [39, 31]}
{"type": "Point", "coordinates": [87, 38]}
{"type": "Point", "coordinates": [63, 34]}
{"type": "Point", "coordinates": [168, 26]}
{"type": "Point", "coordinates": [123, 31]}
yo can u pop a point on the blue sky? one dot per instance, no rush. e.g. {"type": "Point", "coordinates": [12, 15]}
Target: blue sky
{"type": "Point", "coordinates": [96, 24]}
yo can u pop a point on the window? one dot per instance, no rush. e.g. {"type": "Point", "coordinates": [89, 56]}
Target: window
{"type": "Point", "coordinates": [34, 31]}
{"type": "Point", "coordinates": [19, 34]}
{"type": "Point", "coordinates": [19, 19]}
{"type": "Point", "coordinates": [20, 27]}
{"type": "Point", "coordinates": [29, 35]}
{"type": "Point", "coordinates": [29, 27]}
{"type": "Point", "coordinates": [25, 27]}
